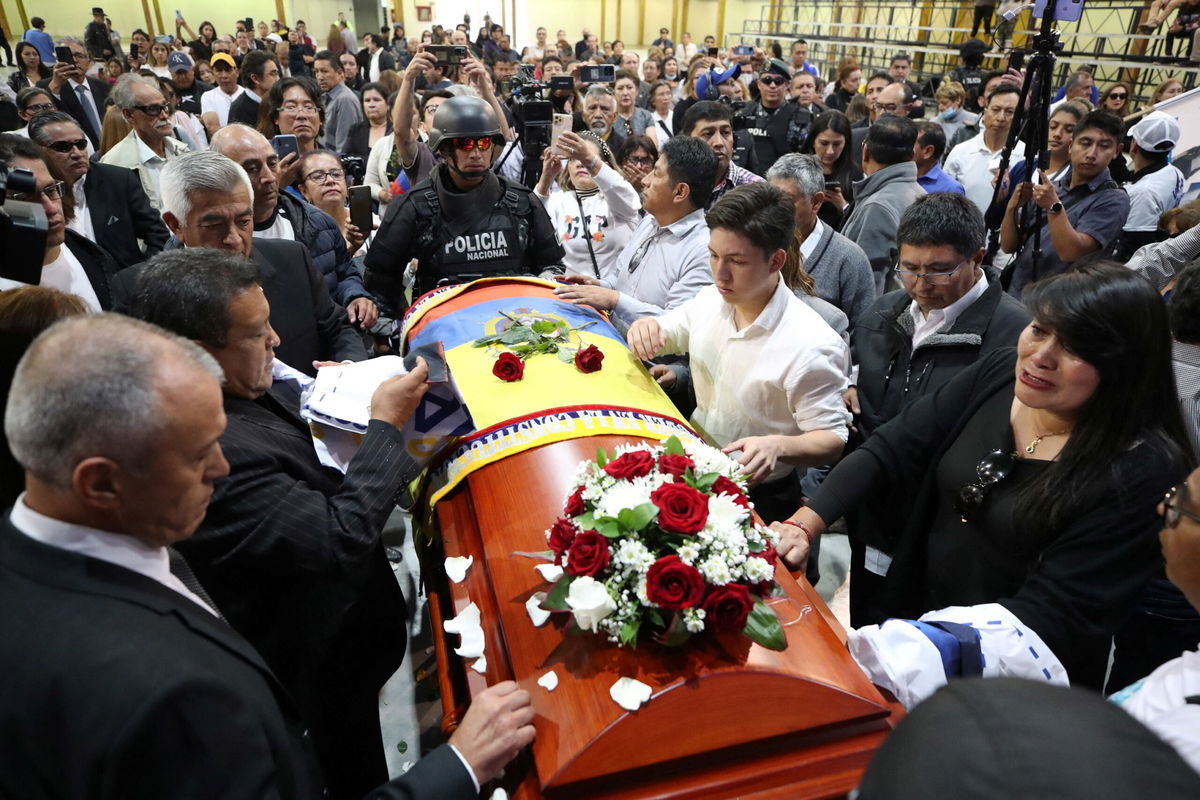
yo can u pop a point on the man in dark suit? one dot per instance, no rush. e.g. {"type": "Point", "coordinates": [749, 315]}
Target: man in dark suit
{"type": "Point", "coordinates": [75, 93]}
{"type": "Point", "coordinates": [111, 207]}
{"type": "Point", "coordinates": [121, 679]}
{"type": "Point", "coordinates": [203, 211]}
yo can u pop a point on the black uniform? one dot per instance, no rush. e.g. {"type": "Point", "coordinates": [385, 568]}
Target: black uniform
{"type": "Point", "coordinates": [775, 131]}
{"type": "Point", "coordinates": [499, 228]}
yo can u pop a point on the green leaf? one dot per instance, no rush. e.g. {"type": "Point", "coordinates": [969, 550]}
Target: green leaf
{"type": "Point", "coordinates": [672, 446]}
{"type": "Point", "coordinates": [705, 482]}
{"type": "Point", "coordinates": [608, 528]}
{"type": "Point", "coordinates": [517, 333]}
{"type": "Point", "coordinates": [601, 457]}
{"type": "Point", "coordinates": [586, 521]}
{"type": "Point", "coordinates": [556, 598]}
{"type": "Point", "coordinates": [625, 519]}
{"type": "Point", "coordinates": [629, 632]}
{"type": "Point", "coordinates": [484, 341]}
{"type": "Point", "coordinates": [545, 326]}
{"type": "Point", "coordinates": [676, 634]}
{"type": "Point", "coordinates": [565, 356]}
{"type": "Point", "coordinates": [656, 617]}
{"type": "Point", "coordinates": [762, 627]}
{"type": "Point", "coordinates": [755, 547]}
{"type": "Point", "coordinates": [641, 516]}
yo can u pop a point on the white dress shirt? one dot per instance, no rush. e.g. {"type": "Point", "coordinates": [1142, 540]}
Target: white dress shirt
{"type": "Point", "coordinates": [81, 223]}
{"type": "Point", "coordinates": [809, 245]}
{"type": "Point", "coordinates": [673, 266]}
{"type": "Point", "coordinates": [971, 164]}
{"type": "Point", "coordinates": [925, 326]}
{"type": "Point", "coordinates": [781, 374]}
{"type": "Point", "coordinates": [373, 67]}
{"type": "Point", "coordinates": [218, 102]}
{"type": "Point", "coordinates": [153, 163]}
{"type": "Point", "coordinates": [114, 548]}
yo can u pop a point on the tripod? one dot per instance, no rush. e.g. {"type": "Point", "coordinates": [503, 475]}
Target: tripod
{"type": "Point", "coordinates": [1030, 125]}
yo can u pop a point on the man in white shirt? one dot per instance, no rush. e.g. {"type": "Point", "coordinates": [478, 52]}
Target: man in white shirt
{"type": "Point", "coordinates": [215, 103]}
{"type": "Point", "coordinates": [766, 369]}
{"type": "Point", "coordinates": [1157, 184]}
{"type": "Point", "coordinates": [666, 260]}
{"type": "Point", "coordinates": [150, 145]}
{"type": "Point", "coordinates": [974, 162]}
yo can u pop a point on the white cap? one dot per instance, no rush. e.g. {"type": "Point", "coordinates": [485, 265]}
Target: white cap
{"type": "Point", "coordinates": [1157, 132]}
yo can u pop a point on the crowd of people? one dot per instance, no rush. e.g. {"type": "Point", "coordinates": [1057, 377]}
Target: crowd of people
{"type": "Point", "coordinates": [987, 370]}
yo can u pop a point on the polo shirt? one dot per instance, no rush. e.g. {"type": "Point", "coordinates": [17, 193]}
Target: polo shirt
{"type": "Point", "coordinates": [936, 180]}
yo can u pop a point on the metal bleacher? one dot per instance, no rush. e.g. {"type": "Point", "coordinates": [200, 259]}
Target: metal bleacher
{"type": "Point", "coordinates": [1106, 37]}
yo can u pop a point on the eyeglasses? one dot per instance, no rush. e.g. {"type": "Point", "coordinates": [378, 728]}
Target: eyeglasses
{"type": "Point", "coordinates": [152, 110]}
{"type": "Point", "coordinates": [933, 278]}
{"type": "Point", "coordinates": [1172, 513]}
{"type": "Point", "coordinates": [37, 108]}
{"type": "Point", "coordinates": [888, 108]}
{"type": "Point", "coordinates": [51, 192]}
{"type": "Point", "coordinates": [68, 146]}
{"type": "Point", "coordinates": [1118, 96]}
{"type": "Point", "coordinates": [773, 80]}
{"type": "Point", "coordinates": [472, 143]}
{"type": "Point", "coordinates": [295, 108]}
{"type": "Point", "coordinates": [322, 175]}
{"type": "Point", "coordinates": [991, 469]}
{"type": "Point", "coordinates": [638, 161]}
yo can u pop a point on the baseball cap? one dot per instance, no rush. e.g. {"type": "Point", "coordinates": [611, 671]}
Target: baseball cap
{"type": "Point", "coordinates": [717, 78]}
{"type": "Point", "coordinates": [1157, 132]}
{"type": "Point", "coordinates": [223, 58]}
{"type": "Point", "coordinates": [179, 62]}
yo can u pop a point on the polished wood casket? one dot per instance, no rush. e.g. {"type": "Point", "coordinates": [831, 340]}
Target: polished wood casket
{"type": "Point", "coordinates": [726, 718]}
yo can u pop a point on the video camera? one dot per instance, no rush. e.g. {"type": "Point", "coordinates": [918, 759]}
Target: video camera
{"type": "Point", "coordinates": [534, 114]}
{"type": "Point", "coordinates": [23, 228]}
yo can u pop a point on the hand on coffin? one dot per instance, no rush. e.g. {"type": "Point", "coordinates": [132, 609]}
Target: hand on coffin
{"type": "Point", "coordinates": [595, 296]}
{"type": "Point", "coordinates": [793, 541]}
{"type": "Point", "coordinates": [646, 338]}
{"type": "Point", "coordinates": [663, 374]}
{"type": "Point", "coordinates": [495, 728]}
{"type": "Point", "coordinates": [397, 398]}
{"type": "Point", "coordinates": [759, 455]}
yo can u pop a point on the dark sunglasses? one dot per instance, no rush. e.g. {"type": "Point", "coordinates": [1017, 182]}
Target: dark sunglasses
{"type": "Point", "coordinates": [152, 111]}
{"type": "Point", "coordinates": [773, 80]}
{"type": "Point", "coordinates": [471, 143]}
{"type": "Point", "coordinates": [1172, 513]}
{"type": "Point", "coordinates": [991, 469]}
{"type": "Point", "coordinates": [68, 146]}
{"type": "Point", "coordinates": [1118, 95]}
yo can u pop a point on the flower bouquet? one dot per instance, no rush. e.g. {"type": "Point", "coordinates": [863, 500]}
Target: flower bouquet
{"type": "Point", "coordinates": [525, 337]}
{"type": "Point", "coordinates": [658, 542]}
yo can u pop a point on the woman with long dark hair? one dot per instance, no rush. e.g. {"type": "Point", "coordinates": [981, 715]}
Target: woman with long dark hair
{"type": "Point", "coordinates": [30, 68]}
{"type": "Point", "coordinates": [829, 139]}
{"type": "Point", "coordinates": [1035, 476]}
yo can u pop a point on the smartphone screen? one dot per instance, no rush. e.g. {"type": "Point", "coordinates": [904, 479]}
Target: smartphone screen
{"type": "Point", "coordinates": [133, 50]}
{"type": "Point", "coordinates": [64, 55]}
{"type": "Point", "coordinates": [360, 208]}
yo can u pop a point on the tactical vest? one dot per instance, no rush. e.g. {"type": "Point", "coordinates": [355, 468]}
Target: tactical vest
{"type": "Point", "coordinates": [770, 133]}
{"type": "Point", "coordinates": [491, 245]}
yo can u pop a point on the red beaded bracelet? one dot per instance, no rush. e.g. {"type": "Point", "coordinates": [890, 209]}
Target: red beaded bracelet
{"type": "Point", "coordinates": [807, 532]}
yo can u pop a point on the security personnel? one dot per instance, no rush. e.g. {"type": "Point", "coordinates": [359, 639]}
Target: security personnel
{"type": "Point", "coordinates": [464, 221]}
{"type": "Point", "coordinates": [776, 126]}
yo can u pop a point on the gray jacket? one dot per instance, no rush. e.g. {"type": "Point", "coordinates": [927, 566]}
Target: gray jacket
{"type": "Point", "coordinates": [879, 200]}
{"type": "Point", "coordinates": [842, 273]}
{"type": "Point", "coordinates": [342, 110]}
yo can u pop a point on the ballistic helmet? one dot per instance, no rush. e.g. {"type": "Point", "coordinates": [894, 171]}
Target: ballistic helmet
{"type": "Point", "coordinates": [463, 116]}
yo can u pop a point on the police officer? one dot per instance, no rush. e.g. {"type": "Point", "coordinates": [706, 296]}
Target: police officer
{"type": "Point", "coordinates": [775, 125]}
{"type": "Point", "coordinates": [464, 221]}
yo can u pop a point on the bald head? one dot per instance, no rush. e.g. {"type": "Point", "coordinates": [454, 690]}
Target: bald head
{"type": "Point", "coordinates": [890, 101]}
{"type": "Point", "coordinates": [254, 153]}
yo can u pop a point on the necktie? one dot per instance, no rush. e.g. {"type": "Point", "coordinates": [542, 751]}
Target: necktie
{"type": "Point", "coordinates": [88, 108]}
{"type": "Point", "coordinates": [182, 570]}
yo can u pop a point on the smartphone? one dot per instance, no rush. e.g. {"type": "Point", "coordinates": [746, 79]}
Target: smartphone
{"type": "Point", "coordinates": [562, 124]}
{"type": "Point", "coordinates": [713, 52]}
{"type": "Point", "coordinates": [743, 50]}
{"type": "Point", "coordinates": [249, 25]}
{"type": "Point", "coordinates": [360, 208]}
{"type": "Point", "coordinates": [133, 50]}
{"type": "Point", "coordinates": [285, 143]}
{"type": "Point", "coordinates": [598, 73]}
{"type": "Point", "coordinates": [833, 186]}
{"type": "Point", "coordinates": [64, 55]}
{"type": "Point", "coordinates": [447, 54]}
{"type": "Point", "coordinates": [1016, 59]}
{"type": "Point", "coordinates": [562, 83]}
{"type": "Point", "coordinates": [178, 14]}
{"type": "Point", "coordinates": [1064, 10]}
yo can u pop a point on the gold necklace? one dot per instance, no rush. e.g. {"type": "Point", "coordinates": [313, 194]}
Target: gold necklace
{"type": "Point", "coordinates": [1038, 440]}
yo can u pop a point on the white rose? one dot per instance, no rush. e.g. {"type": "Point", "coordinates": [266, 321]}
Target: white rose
{"type": "Point", "coordinates": [590, 602]}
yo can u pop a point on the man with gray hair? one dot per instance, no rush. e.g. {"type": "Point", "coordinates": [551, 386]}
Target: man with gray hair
{"type": "Point", "coordinates": [838, 266]}
{"type": "Point", "coordinates": [600, 113]}
{"type": "Point", "coordinates": [74, 92]}
{"type": "Point", "coordinates": [116, 662]}
{"type": "Point", "coordinates": [149, 145]}
{"type": "Point", "coordinates": [208, 202]}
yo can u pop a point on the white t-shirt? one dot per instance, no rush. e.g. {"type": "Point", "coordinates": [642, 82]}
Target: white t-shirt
{"type": "Point", "coordinates": [1159, 701]}
{"type": "Point", "coordinates": [218, 102]}
{"type": "Point", "coordinates": [66, 274]}
{"type": "Point", "coordinates": [281, 228]}
{"type": "Point", "coordinates": [1155, 193]}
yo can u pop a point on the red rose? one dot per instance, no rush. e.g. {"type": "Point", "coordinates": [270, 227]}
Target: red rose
{"type": "Point", "coordinates": [726, 608]}
{"type": "Point", "coordinates": [633, 464]}
{"type": "Point", "coordinates": [681, 509]}
{"type": "Point", "coordinates": [769, 555]}
{"type": "Point", "coordinates": [562, 533]}
{"type": "Point", "coordinates": [674, 585]}
{"type": "Point", "coordinates": [723, 485]}
{"type": "Point", "coordinates": [674, 465]}
{"type": "Point", "coordinates": [589, 555]}
{"type": "Point", "coordinates": [575, 504]}
{"type": "Point", "coordinates": [589, 359]}
{"type": "Point", "coordinates": [509, 367]}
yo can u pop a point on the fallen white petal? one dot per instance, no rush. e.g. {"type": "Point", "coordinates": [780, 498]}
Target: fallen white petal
{"type": "Point", "coordinates": [457, 566]}
{"type": "Point", "coordinates": [480, 665]}
{"type": "Point", "coordinates": [629, 693]}
{"type": "Point", "coordinates": [549, 572]}
{"type": "Point", "coordinates": [537, 615]}
{"type": "Point", "coordinates": [466, 625]}
{"type": "Point", "coordinates": [549, 681]}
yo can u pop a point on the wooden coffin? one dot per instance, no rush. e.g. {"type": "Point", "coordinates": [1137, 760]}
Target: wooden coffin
{"type": "Point", "coordinates": [727, 717]}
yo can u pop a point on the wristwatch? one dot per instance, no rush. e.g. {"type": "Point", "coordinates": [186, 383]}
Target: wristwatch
{"type": "Point", "coordinates": [1057, 208]}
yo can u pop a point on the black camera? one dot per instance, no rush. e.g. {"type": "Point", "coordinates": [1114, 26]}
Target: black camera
{"type": "Point", "coordinates": [356, 169]}
{"type": "Point", "coordinates": [23, 227]}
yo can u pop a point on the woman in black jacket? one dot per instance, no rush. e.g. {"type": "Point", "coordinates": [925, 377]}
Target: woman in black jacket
{"type": "Point", "coordinates": [30, 68]}
{"type": "Point", "coordinates": [1036, 473]}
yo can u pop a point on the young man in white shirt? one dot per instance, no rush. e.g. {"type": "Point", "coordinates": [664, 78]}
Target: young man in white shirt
{"type": "Point", "coordinates": [1157, 184]}
{"type": "Point", "coordinates": [766, 369]}
{"type": "Point", "coordinates": [973, 162]}
{"type": "Point", "coordinates": [215, 103]}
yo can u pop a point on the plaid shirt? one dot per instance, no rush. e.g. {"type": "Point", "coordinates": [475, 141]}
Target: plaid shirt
{"type": "Point", "coordinates": [737, 176]}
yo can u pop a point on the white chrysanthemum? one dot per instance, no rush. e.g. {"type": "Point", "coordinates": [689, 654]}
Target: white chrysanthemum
{"type": "Point", "coordinates": [633, 555]}
{"type": "Point", "coordinates": [724, 514]}
{"type": "Point", "coordinates": [757, 570]}
{"type": "Point", "coordinates": [715, 570]}
{"type": "Point", "coordinates": [641, 591]}
{"type": "Point", "coordinates": [623, 494]}
{"type": "Point", "coordinates": [769, 536]}
{"type": "Point", "coordinates": [710, 459]}
{"type": "Point", "coordinates": [693, 619]}
{"type": "Point", "coordinates": [689, 552]}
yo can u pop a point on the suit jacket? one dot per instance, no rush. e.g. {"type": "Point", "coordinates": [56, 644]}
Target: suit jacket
{"type": "Point", "coordinates": [121, 214]}
{"type": "Point", "coordinates": [69, 102]}
{"type": "Point", "coordinates": [127, 153]}
{"type": "Point", "coordinates": [310, 325]}
{"type": "Point", "coordinates": [99, 266]}
{"type": "Point", "coordinates": [245, 109]}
